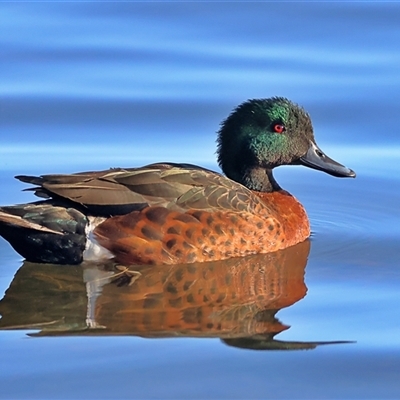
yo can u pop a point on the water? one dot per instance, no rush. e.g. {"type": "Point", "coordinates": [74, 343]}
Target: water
{"type": "Point", "coordinates": [87, 86]}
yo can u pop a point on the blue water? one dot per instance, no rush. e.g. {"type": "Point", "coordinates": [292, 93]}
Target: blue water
{"type": "Point", "coordinates": [97, 85]}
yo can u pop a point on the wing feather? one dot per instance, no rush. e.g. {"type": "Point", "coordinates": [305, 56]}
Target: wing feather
{"type": "Point", "coordinates": [119, 190]}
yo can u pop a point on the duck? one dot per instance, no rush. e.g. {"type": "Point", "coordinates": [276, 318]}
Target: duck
{"type": "Point", "coordinates": [170, 213]}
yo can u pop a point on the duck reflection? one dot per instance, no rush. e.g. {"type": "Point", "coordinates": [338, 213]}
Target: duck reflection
{"type": "Point", "coordinates": [235, 300]}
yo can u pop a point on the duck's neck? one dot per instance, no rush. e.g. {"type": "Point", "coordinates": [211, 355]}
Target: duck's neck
{"type": "Point", "coordinates": [259, 179]}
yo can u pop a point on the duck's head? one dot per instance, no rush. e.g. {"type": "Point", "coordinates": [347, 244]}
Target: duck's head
{"type": "Point", "coordinates": [262, 134]}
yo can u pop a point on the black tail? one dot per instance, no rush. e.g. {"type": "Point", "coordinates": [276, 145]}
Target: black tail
{"type": "Point", "coordinates": [45, 233]}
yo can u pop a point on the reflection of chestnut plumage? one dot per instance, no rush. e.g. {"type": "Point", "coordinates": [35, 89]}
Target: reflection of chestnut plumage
{"type": "Point", "coordinates": [235, 300]}
{"type": "Point", "coordinates": [238, 297]}
{"type": "Point", "coordinates": [230, 298]}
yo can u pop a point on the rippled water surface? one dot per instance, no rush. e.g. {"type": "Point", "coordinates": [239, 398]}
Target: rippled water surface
{"type": "Point", "coordinates": [96, 85]}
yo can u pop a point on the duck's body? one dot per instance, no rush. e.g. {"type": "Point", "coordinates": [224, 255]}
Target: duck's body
{"type": "Point", "coordinates": [161, 213]}
{"type": "Point", "coordinates": [177, 213]}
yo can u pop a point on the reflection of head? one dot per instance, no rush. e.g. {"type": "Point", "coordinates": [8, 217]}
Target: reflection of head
{"type": "Point", "coordinates": [267, 342]}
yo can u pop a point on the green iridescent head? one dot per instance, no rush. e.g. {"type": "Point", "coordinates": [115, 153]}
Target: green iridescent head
{"type": "Point", "coordinates": [260, 135]}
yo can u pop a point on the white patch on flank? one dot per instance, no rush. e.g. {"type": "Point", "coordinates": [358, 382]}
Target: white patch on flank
{"type": "Point", "coordinates": [94, 252]}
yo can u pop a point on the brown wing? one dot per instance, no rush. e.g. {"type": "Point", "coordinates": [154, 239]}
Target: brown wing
{"type": "Point", "coordinates": [119, 191]}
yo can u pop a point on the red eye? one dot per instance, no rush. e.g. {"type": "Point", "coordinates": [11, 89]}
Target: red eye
{"type": "Point", "coordinates": [279, 128]}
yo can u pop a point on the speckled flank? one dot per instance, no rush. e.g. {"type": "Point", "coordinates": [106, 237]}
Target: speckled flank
{"type": "Point", "coordinates": [157, 235]}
